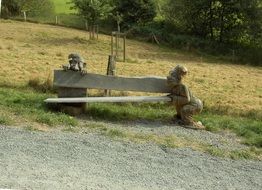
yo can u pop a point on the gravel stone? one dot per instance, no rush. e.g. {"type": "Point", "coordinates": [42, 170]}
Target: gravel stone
{"type": "Point", "coordinates": [62, 160]}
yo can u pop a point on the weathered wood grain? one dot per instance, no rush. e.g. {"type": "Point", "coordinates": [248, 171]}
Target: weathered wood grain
{"type": "Point", "coordinates": [73, 79]}
{"type": "Point", "coordinates": [110, 99]}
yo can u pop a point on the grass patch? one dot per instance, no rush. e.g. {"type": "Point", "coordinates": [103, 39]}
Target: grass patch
{"type": "Point", "coordinates": [69, 129]}
{"type": "Point", "coordinates": [53, 119]}
{"type": "Point", "coordinates": [29, 105]}
{"type": "Point", "coordinates": [128, 111]}
{"type": "Point", "coordinates": [236, 155]}
{"type": "Point", "coordinates": [167, 141]}
{"type": "Point", "coordinates": [115, 133]}
{"type": "Point", "coordinates": [64, 19]}
{"type": "Point", "coordinates": [129, 60]}
{"type": "Point", "coordinates": [62, 6]}
{"type": "Point", "coordinates": [249, 129]}
{"type": "Point", "coordinates": [251, 153]}
{"type": "Point", "coordinates": [4, 120]}
{"type": "Point", "coordinates": [226, 110]}
{"type": "Point", "coordinates": [38, 85]}
{"type": "Point", "coordinates": [215, 151]}
{"type": "Point", "coordinates": [31, 128]}
{"type": "Point", "coordinates": [96, 126]}
{"type": "Point", "coordinates": [173, 141]}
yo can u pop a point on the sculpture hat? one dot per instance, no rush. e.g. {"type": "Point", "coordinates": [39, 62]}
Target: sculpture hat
{"type": "Point", "coordinates": [178, 70]}
{"type": "Point", "coordinates": [181, 69]}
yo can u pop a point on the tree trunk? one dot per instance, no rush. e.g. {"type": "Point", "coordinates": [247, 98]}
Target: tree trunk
{"type": "Point", "coordinates": [93, 32]}
{"type": "Point", "coordinates": [222, 24]}
{"type": "Point", "coordinates": [211, 19]}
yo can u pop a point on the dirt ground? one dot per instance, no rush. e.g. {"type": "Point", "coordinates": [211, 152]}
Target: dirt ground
{"type": "Point", "coordinates": [66, 160]}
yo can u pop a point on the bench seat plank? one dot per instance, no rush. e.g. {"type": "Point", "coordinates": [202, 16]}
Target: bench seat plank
{"type": "Point", "coordinates": [110, 99]}
{"type": "Point", "coordinates": [73, 79]}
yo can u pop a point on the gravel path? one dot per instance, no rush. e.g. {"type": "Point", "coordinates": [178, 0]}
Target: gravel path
{"type": "Point", "coordinates": [59, 160]}
{"type": "Point", "coordinates": [225, 140]}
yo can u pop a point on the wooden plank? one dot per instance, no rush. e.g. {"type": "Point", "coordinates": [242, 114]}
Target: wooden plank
{"type": "Point", "coordinates": [73, 79]}
{"type": "Point", "coordinates": [110, 99]}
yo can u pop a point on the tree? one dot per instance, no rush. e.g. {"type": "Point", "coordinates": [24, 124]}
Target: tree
{"type": "Point", "coordinates": [10, 8]}
{"type": "Point", "coordinates": [253, 21]}
{"type": "Point", "coordinates": [92, 10]}
{"type": "Point", "coordinates": [38, 7]}
{"type": "Point", "coordinates": [174, 14]}
{"type": "Point", "coordinates": [119, 19]}
{"type": "Point", "coordinates": [34, 7]}
{"type": "Point", "coordinates": [220, 20]}
{"type": "Point", "coordinates": [135, 12]}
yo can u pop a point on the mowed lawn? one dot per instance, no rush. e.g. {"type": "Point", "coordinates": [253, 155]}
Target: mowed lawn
{"type": "Point", "coordinates": [34, 50]}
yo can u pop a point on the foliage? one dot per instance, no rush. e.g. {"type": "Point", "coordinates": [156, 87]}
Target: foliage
{"type": "Point", "coordinates": [232, 29]}
{"type": "Point", "coordinates": [92, 10]}
{"type": "Point", "coordinates": [220, 20]}
{"type": "Point", "coordinates": [251, 55]}
{"type": "Point", "coordinates": [62, 7]}
{"type": "Point", "coordinates": [135, 12]}
{"type": "Point", "coordinates": [10, 8]}
{"type": "Point", "coordinates": [38, 7]}
{"type": "Point", "coordinates": [32, 7]}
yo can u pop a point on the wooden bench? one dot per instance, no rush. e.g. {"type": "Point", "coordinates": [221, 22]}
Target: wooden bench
{"type": "Point", "coordinates": [72, 88]}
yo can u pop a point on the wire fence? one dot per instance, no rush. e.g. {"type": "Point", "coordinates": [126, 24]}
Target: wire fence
{"type": "Point", "coordinates": [67, 20]}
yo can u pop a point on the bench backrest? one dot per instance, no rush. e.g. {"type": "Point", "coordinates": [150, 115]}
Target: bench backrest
{"type": "Point", "coordinates": [71, 79]}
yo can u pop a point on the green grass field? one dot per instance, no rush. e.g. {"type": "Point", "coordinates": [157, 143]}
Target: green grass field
{"type": "Point", "coordinates": [62, 6]}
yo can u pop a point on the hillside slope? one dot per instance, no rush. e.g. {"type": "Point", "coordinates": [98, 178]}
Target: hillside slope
{"type": "Point", "coordinates": [35, 50]}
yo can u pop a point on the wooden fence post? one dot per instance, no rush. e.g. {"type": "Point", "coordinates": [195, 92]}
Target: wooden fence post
{"type": "Point", "coordinates": [124, 53]}
{"type": "Point", "coordinates": [111, 70]}
{"type": "Point", "coordinates": [112, 43]}
{"type": "Point", "coordinates": [24, 15]}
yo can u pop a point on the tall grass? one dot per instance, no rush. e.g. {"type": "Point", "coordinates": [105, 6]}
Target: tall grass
{"type": "Point", "coordinates": [129, 111]}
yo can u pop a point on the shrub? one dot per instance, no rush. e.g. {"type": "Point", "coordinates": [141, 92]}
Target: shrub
{"type": "Point", "coordinates": [34, 82]}
{"type": "Point", "coordinates": [46, 86]}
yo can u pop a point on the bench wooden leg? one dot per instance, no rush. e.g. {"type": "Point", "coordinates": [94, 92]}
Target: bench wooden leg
{"type": "Point", "coordinates": [72, 108]}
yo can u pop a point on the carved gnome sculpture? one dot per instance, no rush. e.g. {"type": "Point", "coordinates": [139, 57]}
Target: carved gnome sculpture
{"type": "Point", "coordinates": [185, 102]}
